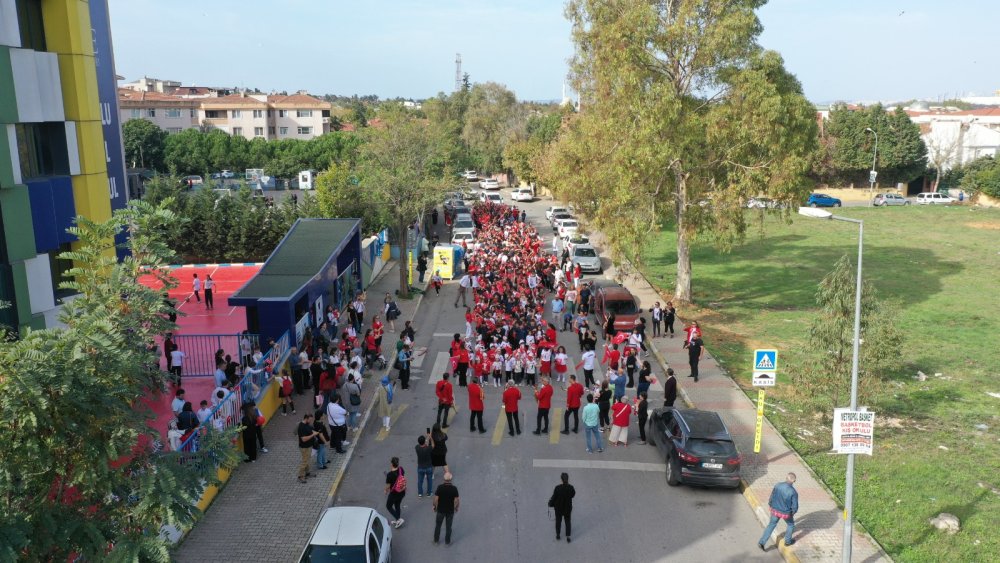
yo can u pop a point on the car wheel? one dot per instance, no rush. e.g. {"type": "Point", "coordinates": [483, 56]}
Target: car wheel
{"type": "Point", "coordinates": [836, 204]}
{"type": "Point", "coordinates": [673, 471]}
{"type": "Point", "coordinates": [813, 205]}
{"type": "Point", "coordinates": [906, 203]}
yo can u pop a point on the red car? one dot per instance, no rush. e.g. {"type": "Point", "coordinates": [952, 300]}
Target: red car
{"type": "Point", "coordinates": [618, 300]}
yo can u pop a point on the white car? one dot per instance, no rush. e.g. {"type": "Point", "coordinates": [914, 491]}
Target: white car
{"type": "Point", "coordinates": [468, 238]}
{"type": "Point", "coordinates": [463, 227]}
{"type": "Point", "coordinates": [492, 197]}
{"type": "Point", "coordinates": [470, 175]}
{"type": "Point", "coordinates": [349, 534]}
{"type": "Point", "coordinates": [489, 184]}
{"type": "Point", "coordinates": [575, 240]}
{"type": "Point", "coordinates": [567, 228]}
{"type": "Point", "coordinates": [553, 210]}
{"type": "Point", "coordinates": [931, 198]}
{"type": "Point", "coordinates": [522, 194]}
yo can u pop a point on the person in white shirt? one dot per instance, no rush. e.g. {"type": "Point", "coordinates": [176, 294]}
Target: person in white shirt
{"type": "Point", "coordinates": [337, 417]}
{"type": "Point", "coordinates": [209, 286]}
{"type": "Point", "coordinates": [177, 405]}
{"type": "Point", "coordinates": [220, 375]}
{"type": "Point", "coordinates": [532, 280]}
{"type": "Point", "coordinates": [204, 412]}
{"type": "Point", "coordinates": [302, 381]}
{"type": "Point", "coordinates": [463, 284]}
{"type": "Point", "coordinates": [571, 301]}
{"type": "Point", "coordinates": [176, 364]}
{"type": "Point", "coordinates": [174, 435]}
{"type": "Point", "coordinates": [359, 306]}
{"type": "Point", "coordinates": [196, 287]}
{"type": "Point", "coordinates": [587, 361]}
{"type": "Point", "coordinates": [246, 348]}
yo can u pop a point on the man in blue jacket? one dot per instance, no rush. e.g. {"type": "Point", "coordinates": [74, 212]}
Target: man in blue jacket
{"type": "Point", "coordinates": [784, 504]}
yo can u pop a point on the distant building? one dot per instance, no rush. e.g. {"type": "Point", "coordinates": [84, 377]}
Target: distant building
{"type": "Point", "coordinates": [958, 137]}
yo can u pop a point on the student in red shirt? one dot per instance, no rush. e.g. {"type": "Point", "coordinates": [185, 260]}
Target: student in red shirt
{"type": "Point", "coordinates": [445, 397]}
{"type": "Point", "coordinates": [476, 397]}
{"type": "Point", "coordinates": [463, 365]}
{"type": "Point", "coordinates": [544, 397]}
{"type": "Point", "coordinates": [511, 396]}
{"type": "Point", "coordinates": [573, 394]}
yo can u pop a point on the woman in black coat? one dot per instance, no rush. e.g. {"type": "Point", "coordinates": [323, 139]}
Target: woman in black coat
{"type": "Point", "coordinates": [439, 447]}
{"type": "Point", "coordinates": [250, 432]}
{"type": "Point", "coordinates": [562, 502]}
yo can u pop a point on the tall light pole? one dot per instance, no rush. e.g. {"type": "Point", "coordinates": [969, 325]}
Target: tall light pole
{"type": "Point", "coordinates": [872, 174]}
{"type": "Point", "coordinates": [849, 489]}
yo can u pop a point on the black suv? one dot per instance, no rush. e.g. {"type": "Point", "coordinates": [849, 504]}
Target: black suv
{"type": "Point", "coordinates": [697, 446]}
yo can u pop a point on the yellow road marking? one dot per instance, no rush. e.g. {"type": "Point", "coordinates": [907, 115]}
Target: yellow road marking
{"type": "Point", "coordinates": [498, 428]}
{"type": "Point", "coordinates": [382, 433]}
{"type": "Point", "coordinates": [555, 421]}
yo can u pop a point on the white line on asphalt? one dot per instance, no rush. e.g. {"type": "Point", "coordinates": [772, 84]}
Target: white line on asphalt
{"type": "Point", "coordinates": [448, 334]}
{"type": "Point", "coordinates": [440, 366]}
{"type": "Point", "coordinates": [588, 464]}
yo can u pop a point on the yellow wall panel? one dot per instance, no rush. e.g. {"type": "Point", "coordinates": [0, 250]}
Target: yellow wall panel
{"type": "Point", "coordinates": [90, 139]}
{"type": "Point", "coordinates": [90, 194]}
{"type": "Point", "coordinates": [78, 75]}
{"type": "Point", "coordinates": [67, 27]}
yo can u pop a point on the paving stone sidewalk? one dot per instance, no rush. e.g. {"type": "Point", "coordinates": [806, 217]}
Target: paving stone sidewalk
{"type": "Point", "coordinates": [263, 513]}
{"type": "Point", "coordinates": [819, 523]}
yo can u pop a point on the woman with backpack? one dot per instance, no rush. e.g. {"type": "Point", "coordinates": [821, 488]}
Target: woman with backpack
{"type": "Point", "coordinates": [383, 401]}
{"type": "Point", "coordinates": [353, 392]}
{"type": "Point", "coordinates": [285, 390]}
{"type": "Point", "coordinates": [395, 490]}
{"type": "Point", "coordinates": [391, 312]}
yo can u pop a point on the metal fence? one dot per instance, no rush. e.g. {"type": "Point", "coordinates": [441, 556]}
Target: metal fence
{"type": "Point", "coordinates": [200, 349]}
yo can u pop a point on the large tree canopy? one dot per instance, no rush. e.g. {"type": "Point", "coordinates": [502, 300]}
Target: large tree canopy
{"type": "Point", "coordinates": [683, 117]}
{"type": "Point", "coordinates": [849, 147]}
{"type": "Point", "coordinates": [144, 144]}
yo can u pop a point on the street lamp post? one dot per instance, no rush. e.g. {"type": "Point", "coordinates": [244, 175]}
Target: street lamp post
{"type": "Point", "coordinates": [849, 489]}
{"type": "Point", "coordinates": [872, 174]}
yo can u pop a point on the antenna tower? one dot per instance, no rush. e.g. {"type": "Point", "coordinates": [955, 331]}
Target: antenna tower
{"type": "Point", "coordinates": [458, 71]}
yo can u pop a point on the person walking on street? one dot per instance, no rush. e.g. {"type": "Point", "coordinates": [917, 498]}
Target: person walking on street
{"type": "Point", "coordinates": [209, 286]}
{"type": "Point", "coordinates": [621, 415]}
{"type": "Point", "coordinates": [591, 424]}
{"type": "Point", "coordinates": [604, 405]}
{"type": "Point", "coordinates": [669, 315]}
{"type": "Point", "coordinates": [177, 364]}
{"type": "Point", "coordinates": [196, 287]}
{"type": "Point", "coordinates": [446, 399]}
{"type": "Point", "coordinates": [395, 490]}
{"type": "Point", "coordinates": [511, 396]}
{"type": "Point", "coordinates": [383, 401]}
{"type": "Point", "coordinates": [463, 284]}
{"type": "Point", "coordinates": [657, 313]}
{"type": "Point", "coordinates": [573, 395]}
{"type": "Point", "coordinates": [322, 440]}
{"type": "Point", "coordinates": [425, 470]}
{"type": "Point", "coordinates": [445, 506]}
{"type": "Point", "coordinates": [306, 434]}
{"type": "Point", "coordinates": [561, 502]}
{"type": "Point", "coordinates": [642, 413]}
{"type": "Point", "coordinates": [784, 503]}
{"type": "Point", "coordinates": [476, 398]}
{"type": "Point", "coordinates": [669, 388]}
{"type": "Point", "coordinates": [439, 447]}
{"type": "Point", "coordinates": [543, 396]}
{"type": "Point", "coordinates": [696, 350]}
{"type": "Point", "coordinates": [587, 360]}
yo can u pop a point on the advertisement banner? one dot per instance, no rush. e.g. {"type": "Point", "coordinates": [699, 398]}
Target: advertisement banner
{"type": "Point", "coordinates": [853, 431]}
{"type": "Point", "coordinates": [444, 261]}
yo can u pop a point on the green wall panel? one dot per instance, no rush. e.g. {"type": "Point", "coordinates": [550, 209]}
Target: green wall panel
{"type": "Point", "coordinates": [8, 101]}
{"type": "Point", "coordinates": [19, 231]}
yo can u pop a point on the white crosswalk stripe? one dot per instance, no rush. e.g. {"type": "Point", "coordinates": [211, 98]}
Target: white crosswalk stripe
{"type": "Point", "coordinates": [440, 367]}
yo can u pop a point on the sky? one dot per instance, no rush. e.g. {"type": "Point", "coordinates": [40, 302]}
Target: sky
{"type": "Point", "coordinates": [849, 50]}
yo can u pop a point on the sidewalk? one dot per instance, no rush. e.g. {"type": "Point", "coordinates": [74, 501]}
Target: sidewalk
{"type": "Point", "coordinates": [819, 524]}
{"type": "Point", "coordinates": [263, 513]}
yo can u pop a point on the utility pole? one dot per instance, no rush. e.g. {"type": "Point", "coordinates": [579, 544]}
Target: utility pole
{"type": "Point", "coordinates": [458, 71]}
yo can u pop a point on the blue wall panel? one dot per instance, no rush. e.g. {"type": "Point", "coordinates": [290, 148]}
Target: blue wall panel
{"type": "Point", "coordinates": [65, 208]}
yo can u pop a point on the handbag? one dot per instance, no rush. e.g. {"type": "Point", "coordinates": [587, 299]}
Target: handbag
{"type": "Point", "coordinates": [355, 399]}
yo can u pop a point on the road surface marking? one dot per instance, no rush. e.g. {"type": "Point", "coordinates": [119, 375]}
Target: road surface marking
{"type": "Point", "coordinates": [589, 464]}
{"type": "Point", "coordinates": [498, 428]}
{"type": "Point", "coordinates": [417, 360]}
{"type": "Point", "coordinates": [382, 433]}
{"type": "Point", "coordinates": [440, 367]}
{"type": "Point", "coordinates": [440, 334]}
{"type": "Point", "coordinates": [555, 424]}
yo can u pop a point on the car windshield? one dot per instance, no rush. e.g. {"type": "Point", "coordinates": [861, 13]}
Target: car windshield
{"type": "Point", "coordinates": [567, 224]}
{"type": "Point", "coordinates": [464, 225]}
{"type": "Point", "coordinates": [334, 554]}
{"type": "Point", "coordinates": [622, 307]}
{"type": "Point", "coordinates": [586, 252]}
{"type": "Point", "coordinates": [711, 448]}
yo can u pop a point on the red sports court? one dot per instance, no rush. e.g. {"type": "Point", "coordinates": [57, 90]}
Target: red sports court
{"type": "Point", "coordinates": [197, 324]}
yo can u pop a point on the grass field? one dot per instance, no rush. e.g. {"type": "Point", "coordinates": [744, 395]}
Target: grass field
{"type": "Point", "coordinates": [942, 265]}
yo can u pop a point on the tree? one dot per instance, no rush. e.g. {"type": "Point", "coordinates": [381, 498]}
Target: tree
{"type": "Point", "coordinates": [339, 194]}
{"type": "Point", "coordinates": [981, 175]}
{"type": "Point", "coordinates": [144, 144]}
{"type": "Point", "coordinates": [400, 173]}
{"type": "Point", "coordinates": [80, 473]}
{"type": "Point", "coordinates": [493, 118]}
{"type": "Point", "coordinates": [902, 154]}
{"type": "Point", "coordinates": [826, 377]}
{"type": "Point", "coordinates": [681, 107]}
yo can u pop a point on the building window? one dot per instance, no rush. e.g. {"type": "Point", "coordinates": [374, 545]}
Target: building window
{"type": "Point", "coordinates": [29, 20]}
{"type": "Point", "coordinates": [173, 129]}
{"type": "Point", "coordinates": [270, 113]}
{"type": "Point", "coordinates": [258, 131]}
{"type": "Point", "coordinates": [173, 112]}
{"type": "Point", "coordinates": [282, 131]}
{"type": "Point", "coordinates": [236, 113]}
{"type": "Point", "coordinates": [214, 114]}
{"type": "Point", "coordinates": [41, 149]}
{"type": "Point", "coordinates": [151, 112]}
{"type": "Point", "coordinates": [258, 113]}
{"type": "Point", "coordinates": [305, 130]}
{"type": "Point", "coordinates": [304, 113]}
{"type": "Point", "coordinates": [282, 113]}
{"type": "Point", "coordinates": [136, 113]}
{"type": "Point", "coordinates": [270, 131]}
{"type": "Point", "coordinates": [194, 114]}
{"type": "Point", "coordinates": [237, 131]}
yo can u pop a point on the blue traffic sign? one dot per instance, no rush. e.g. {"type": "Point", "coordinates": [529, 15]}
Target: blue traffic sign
{"type": "Point", "coordinates": [765, 360]}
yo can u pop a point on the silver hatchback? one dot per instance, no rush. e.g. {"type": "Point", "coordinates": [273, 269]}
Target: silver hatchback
{"type": "Point", "coordinates": [885, 199]}
{"type": "Point", "coordinates": [587, 257]}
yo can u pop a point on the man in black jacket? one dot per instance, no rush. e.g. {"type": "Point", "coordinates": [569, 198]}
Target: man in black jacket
{"type": "Point", "coordinates": [562, 503]}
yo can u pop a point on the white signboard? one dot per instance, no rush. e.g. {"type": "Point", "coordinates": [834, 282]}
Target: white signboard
{"type": "Point", "coordinates": [764, 378]}
{"type": "Point", "coordinates": [853, 431]}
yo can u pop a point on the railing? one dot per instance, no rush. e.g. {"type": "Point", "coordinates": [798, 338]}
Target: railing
{"type": "Point", "coordinates": [200, 351]}
{"type": "Point", "coordinates": [229, 412]}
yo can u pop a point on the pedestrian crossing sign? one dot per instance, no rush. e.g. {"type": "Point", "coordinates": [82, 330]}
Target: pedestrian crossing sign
{"type": "Point", "coordinates": [765, 360]}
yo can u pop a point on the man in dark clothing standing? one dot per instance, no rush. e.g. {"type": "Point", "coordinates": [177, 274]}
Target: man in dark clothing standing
{"type": "Point", "coordinates": [695, 351]}
{"type": "Point", "coordinates": [446, 503]}
{"type": "Point", "coordinates": [669, 388]}
{"type": "Point", "coordinates": [306, 434]}
{"type": "Point", "coordinates": [562, 502]}
{"type": "Point", "coordinates": [422, 266]}
{"type": "Point", "coordinates": [425, 467]}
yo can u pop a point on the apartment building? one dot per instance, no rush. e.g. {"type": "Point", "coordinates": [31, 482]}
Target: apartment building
{"type": "Point", "coordinates": [250, 115]}
{"type": "Point", "coordinates": [60, 147]}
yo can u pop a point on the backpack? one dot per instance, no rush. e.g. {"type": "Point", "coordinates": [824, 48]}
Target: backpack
{"type": "Point", "coordinates": [286, 387]}
{"type": "Point", "coordinates": [388, 393]}
{"type": "Point", "coordinates": [400, 485]}
{"type": "Point", "coordinates": [354, 398]}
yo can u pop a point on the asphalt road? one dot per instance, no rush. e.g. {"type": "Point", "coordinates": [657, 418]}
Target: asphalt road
{"type": "Point", "coordinates": [624, 511]}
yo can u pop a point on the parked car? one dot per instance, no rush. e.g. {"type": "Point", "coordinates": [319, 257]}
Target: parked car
{"type": "Point", "coordinates": [463, 217]}
{"type": "Point", "coordinates": [613, 298]}
{"type": "Point", "coordinates": [567, 228]}
{"type": "Point", "coordinates": [522, 194]}
{"type": "Point", "coordinates": [464, 226]}
{"type": "Point", "coordinates": [822, 200]}
{"type": "Point", "coordinates": [553, 210]}
{"type": "Point", "coordinates": [934, 198]}
{"type": "Point", "coordinates": [470, 175]}
{"type": "Point", "coordinates": [763, 203]}
{"type": "Point", "coordinates": [697, 447]}
{"type": "Point", "coordinates": [493, 197]}
{"type": "Point", "coordinates": [587, 257]}
{"type": "Point", "coordinates": [889, 199]}
{"type": "Point", "coordinates": [191, 181]}
{"type": "Point", "coordinates": [468, 238]}
{"type": "Point", "coordinates": [349, 534]}
{"type": "Point", "coordinates": [575, 239]}
{"type": "Point", "coordinates": [559, 216]}
{"type": "Point", "coordinates": [489, 184]}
